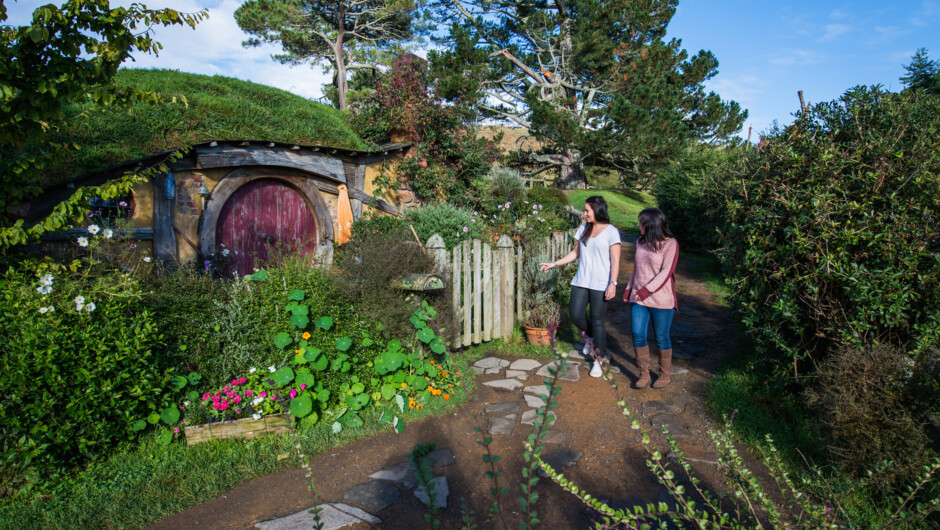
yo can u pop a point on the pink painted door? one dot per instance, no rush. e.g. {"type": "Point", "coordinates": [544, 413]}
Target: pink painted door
{"type": "Point", "coordinates": [262, 220]}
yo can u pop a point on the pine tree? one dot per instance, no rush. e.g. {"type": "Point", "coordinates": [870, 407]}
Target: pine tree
{"type": "Point", "coordinates": [923, 73]}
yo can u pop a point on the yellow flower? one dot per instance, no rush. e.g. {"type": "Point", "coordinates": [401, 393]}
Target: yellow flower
{"type": "Point", "coordinates": [404, 385]}
{"type": "Point", "coordinates": [296, 351]}
{"type": "Point", "coordinates": [306, 335]}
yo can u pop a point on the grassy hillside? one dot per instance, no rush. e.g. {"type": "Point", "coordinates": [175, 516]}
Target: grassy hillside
{"type": "Point", "coordinates": [623, 208]}
{"type": "Point", "coordinates": [215, 108]}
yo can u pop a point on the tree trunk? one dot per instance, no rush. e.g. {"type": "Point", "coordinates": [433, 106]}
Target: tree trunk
{"type": "Point", "coordinates": [572, 174]}
{"type": "Point", "coordinates": [341, 85]}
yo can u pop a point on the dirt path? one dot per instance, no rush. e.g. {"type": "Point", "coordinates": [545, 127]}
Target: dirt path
{"type": "Point", "coordinates": [589, 426]}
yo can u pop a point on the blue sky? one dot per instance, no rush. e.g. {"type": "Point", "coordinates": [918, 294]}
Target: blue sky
{"type": "Point", "coordinates": [767, 50]}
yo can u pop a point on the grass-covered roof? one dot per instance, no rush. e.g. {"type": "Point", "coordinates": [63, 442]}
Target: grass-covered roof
{"type": "Point", "coordinates": [215, 108]}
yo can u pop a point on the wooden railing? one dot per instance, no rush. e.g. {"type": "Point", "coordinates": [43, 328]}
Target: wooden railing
{"type": "Point", "coordinates": [487, 284]}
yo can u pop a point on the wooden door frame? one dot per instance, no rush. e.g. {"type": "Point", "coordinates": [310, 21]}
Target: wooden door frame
{"type": "Point", "coordinates": [309, 187]}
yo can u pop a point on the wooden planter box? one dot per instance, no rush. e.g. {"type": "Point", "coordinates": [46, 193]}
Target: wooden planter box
{"type": "Point", "coordinates": [243, 428]}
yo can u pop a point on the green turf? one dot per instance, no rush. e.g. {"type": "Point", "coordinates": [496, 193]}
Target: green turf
{"type": "Point", "coordinates": [623, 207]}
{"type": "Point", "coordinates": [205, 108]}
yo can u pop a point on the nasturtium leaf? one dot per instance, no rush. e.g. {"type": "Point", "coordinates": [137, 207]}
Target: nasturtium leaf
{"type": "Point", "coordinates": [343, 343]}
{"type": "Point", "coordinates": [299, 321]}
{"type": "Point", "coordinates": [366, 342]}
{"type": "Point", "coordinates": [337, 427]}
{"type": "Point", "coordinates": [323, 395]}
{"type": "Point", "coordinates": [429, 369]}
{"type": "Point", "coordinates": [351, 420]}
{"type": "Point", "coordinates": [400, 401]}
{"type": "Point", "coordinates": [393, 345]}
{"type": "Point", "coordinates": [170, 415]}
{"type": "Point", "coordinates": [417, 322]}
{"type": "Point", "coordinates": [296, 294]}
{"type": "Point", "coordinates": [192, 395]}
{"type": "Point", "coordinates": [301, 309]}
{"type": "Point", "coordinates": [398, 424]}
{"type": "Point", "coordinates": [388, 391]}
{"type": "Point", "coordinates": [358, 388]}
{"type": "Point", "coordinates": [352, 403]}
{"type": "Point", "coordinates": [345, 367]}
{"type": "Point", "coordinates": [311, 418]}
{"type": "Point", "coordinates": [437, 346]}
{"type": "Point", "coordinates": [165, 437]}
{"type": "Point", "coordinates": [418, 382]}
{"type": "Point", "coordinates": [259, 276]}
{"type": "Point", "coordinates": [300, 359]}
{"type": "Point", "coordinates": [282, 339]}
{"type": "Point", "coordinates": [420, 314]}
{"type": "Point", "coordinates": [301, 405]}
{"type": "Point", "coordinates": [283, 376]}
{"type": "Point", "coordinates": [178, 382]}
{"type": "Point", "coordinates": [139, 425]}
{"type": "Point", "coordinates": [363, 399]}
{"type": "Point", "coordinates": [153, 418]}
{"type": "Point", "coordinates": [305, 378]}
{"type": "Point", "coordinates": [320, 362]}
{"type": "Point", "coordinates": [324, 323]}
{"type": "Point", "coordinates": [311, 353]}
{"type": "Point", "coordinates": [194, 378]}
{"type": "Point", "coordinates": [376, 396]}
{"type": "Point", "coordinates": [426, 335]}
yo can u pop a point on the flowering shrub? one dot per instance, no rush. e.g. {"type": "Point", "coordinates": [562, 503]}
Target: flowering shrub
{"type": "Point", "coordinates": [242, 397]}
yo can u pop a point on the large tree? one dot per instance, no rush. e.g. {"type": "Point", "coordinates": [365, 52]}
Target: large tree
{"type": "Point", "coordinates": [923, 73]}
{"type": "Point", "coordinates": [347, 34]}
{"type": "Point", "coordinates": [64, 57]}
{"type": "Point", "coordinates": [595, 81]}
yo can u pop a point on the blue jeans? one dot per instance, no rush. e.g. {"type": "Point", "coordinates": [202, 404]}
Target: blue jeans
{"type": "Point", "coordinates": [662, 323]}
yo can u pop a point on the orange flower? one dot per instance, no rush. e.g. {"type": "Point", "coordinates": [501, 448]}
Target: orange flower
{"type": "Point", "coordinates": [404, 385]}
{"type": "Point", "coordinates": [458, 372]}
{"type": "Point", "coordinates": [446, 397]}
{"type": "Point", "coordinates": [297, 351]}
{"type": "Point", "coordinates": [444, 373]}
{"type": "Point", "coordinates": [432, 362]}
{"type": "Point", "coordinates": [452, 386]}
{"type": "Point", "coordinates": [306, 335]}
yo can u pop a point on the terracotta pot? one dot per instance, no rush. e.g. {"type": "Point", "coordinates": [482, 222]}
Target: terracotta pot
{"type": "Point", "coordinates": [538, 336]}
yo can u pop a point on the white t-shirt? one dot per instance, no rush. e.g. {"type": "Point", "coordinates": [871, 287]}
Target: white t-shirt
{"type": "Point", "coordinates": [594, 261]}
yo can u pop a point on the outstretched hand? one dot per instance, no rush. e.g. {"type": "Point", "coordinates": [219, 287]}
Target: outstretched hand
{"type": "Point", "coordinates": [546, 266]}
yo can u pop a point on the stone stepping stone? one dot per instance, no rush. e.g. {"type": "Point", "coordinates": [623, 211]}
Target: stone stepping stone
{"type": "Point", "coordinates": [503, 407]}
{"type": "Point", "coordinates": [525, 364]}
{"type": "Point", "coordinates": [332, 516]}
{"type": "Point", "coordinates": [491, 371]}
{"type": "Point", "coordinates": [677, 427]}
{"type": "Point", "coordinates": [570, 374]}
{"type": "Point", "coordinates": [659, 407]}
{"type": "Point", "coordinates": [504, 384]}
{"type": "Point", "coordinates": [554, 437]}
{"type": "Point", "coordinates": [439, 486]}
{"type": "Point", "coordinates": [530, 416]}
{"type": "Point", "coordinates": [479, 371]}
{"type": "Point", "coordinates": [534, 400]}
{"type": "Point", "coordinates": [440, 458]}
{"type": "Point", "coordinates": [491, 362]}
{"type": "Point", "coordinates": [517, 374]}
{"type": "Point", "coordinates": [561, 459]}
{"type": "Point", "coordinates": [536, 389]}
{"type": "Point", "coordinates": [403, 474]}
{"type": "Point", "coordinates": [374, 496]}
{"type": "Point", "coordinates": [502, 424]}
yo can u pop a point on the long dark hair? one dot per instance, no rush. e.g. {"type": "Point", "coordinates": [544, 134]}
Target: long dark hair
{"type": "Point", "coordinates": [653, 221]}
{"type": "Point", "coordinates": [599, 207]}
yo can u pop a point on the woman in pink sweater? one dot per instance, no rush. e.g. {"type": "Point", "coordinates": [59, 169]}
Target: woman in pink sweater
{"type": "Point", "coordinates": [652, 295]}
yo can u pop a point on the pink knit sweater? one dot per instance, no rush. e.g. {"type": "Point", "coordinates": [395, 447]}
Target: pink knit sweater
{"type": "Point", "coordinates": [654, 271]}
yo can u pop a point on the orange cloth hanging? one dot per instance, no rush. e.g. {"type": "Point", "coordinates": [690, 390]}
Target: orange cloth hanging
{"type": "Point", "coordinates": [344, 216]}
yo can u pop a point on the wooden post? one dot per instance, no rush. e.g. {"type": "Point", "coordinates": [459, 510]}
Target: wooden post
{"type": "Point", "coordinates": [498, 293]}
{"type": "Point", "coordinates": [477, 293]}
{"type": "Point", "coordinates": [458, 314]}
{"type": "Point", "coordinates": [802, 103]}
{"type": "Point", "coordinates": [487, 293]}
{"type": "Point", "coordinates": [518, 263]}
{"type": "Point", "coordinates": [749, 131]}
{"type": "Point", "coordinates": [504, 246]}
{"type": "Point", "coordinates": [438, 252]}
{"type": "Point", "coordinates": [467, 299]}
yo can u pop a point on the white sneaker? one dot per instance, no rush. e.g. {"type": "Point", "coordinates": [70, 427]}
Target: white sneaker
{"type": "Point", "coordinates": [596, 370]}
{"type": "Point", "coordinates": [588, 348]}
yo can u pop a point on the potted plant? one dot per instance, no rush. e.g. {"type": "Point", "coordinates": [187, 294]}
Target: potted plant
{"type": "Point", "coordinates": [542, 313]}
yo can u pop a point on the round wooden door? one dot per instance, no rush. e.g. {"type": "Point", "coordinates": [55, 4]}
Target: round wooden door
{"type": "Point", "coordinates": [263, 219]}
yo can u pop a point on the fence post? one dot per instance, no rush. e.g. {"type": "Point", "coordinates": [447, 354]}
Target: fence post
{"type": "Point", "coordinates": [458, 314]}
{"type": "Point", "coordinates": [505, 249]}
{"type": "Point", "coordinates": [466, 294]}
{"type": "Point", "coordinates": [477, 293]}
{"type": "Point", "coordinates": [487, 293]}
{"type": "Point", "coordinates": [518, 262]}
{"type": "Point", "coordinates": [438, 252]}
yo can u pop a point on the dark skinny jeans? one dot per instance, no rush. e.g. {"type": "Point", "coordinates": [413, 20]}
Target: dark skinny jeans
{"type": "Point", "coordinates": [580, 299]}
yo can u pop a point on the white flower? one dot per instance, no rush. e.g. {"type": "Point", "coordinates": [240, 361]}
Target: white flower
{"type": "Point", "coordinates": [51, 308]}
{"type": "Point", "coordinates": [46, 280]}
{"type": "Point", "coordinates": [79, 307]}
{"type": "Point", "coordinates": [256, 416]}
{"type": "Point", "coordinates": [43, 310]}
{"type": "Point", "coordinates": [186, 403]}
{"type": "Point", "coordinates": [225, 252]}
{"type": "Point", "coordinates": [257, 400]}
{"type": "Point", "coordinates": [44, 289]}
{"type": "Point", "coordinates": [272, 369]}
{"type": "Point", "coordinates": [93, 229]}
{"type": "Point", "coordinates": [90, 306]}
{"type": "Point", "coordinates": [253, 370]}
{"type": "Point", "coordinates": [147, 259]}
{"type": "Point", "coordinates": [108, 233]}
{"type": "Point", "coordinates": [83, 241]}
{"type": "Point", "coordinates": [465, 229]}
{"type": "Point", "coordinates": [79, 300]}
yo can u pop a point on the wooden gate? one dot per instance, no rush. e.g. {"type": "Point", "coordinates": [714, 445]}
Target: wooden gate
{"type": "Point", "coordinates": [261, 216]}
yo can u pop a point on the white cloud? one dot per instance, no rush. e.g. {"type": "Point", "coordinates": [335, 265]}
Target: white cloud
{"type": "Point", "coordinates": [744, 88]}
{"type": "Point", "coordinates": [838, 14]}
{"type": "Point", "coordinates": [927, 14]}
{"type": "Point", "coordinates": [834, 30]}
{"type": "Point", "coordinates": [791, 56]}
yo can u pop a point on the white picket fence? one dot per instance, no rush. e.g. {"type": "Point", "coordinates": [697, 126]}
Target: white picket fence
{"type": "Point", "coordinates": [487, 283]}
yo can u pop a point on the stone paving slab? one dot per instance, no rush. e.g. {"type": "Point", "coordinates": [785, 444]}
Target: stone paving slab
{"type": "Point", "coordinates": [491, 371]}
{"type": "Point", "coordinates": [534, 400]}
{"type": "Point", "coordinates": [502, 424]}
{"type": "Point", "coordinates": [504, 384]}
{"type": "Point", "coordinates": [478, 370]}
{"type": "Point", "coordinates": [525, 364]}
{"type": "Point", "coordinates": [374, 495]}
{"type": "Point", "coordinates": [530, 416]}
{"type": "Point", "coordinates": [403, 474]}
{"type": "Point", "coordinates": [440, 458]}
{"type": "Point", "coordinates": [332, 516]}
{"type": "Point", "coordinates": [658, 407]}
{"type": "Point", "coordinates": [439, 486]}
{"type": "Point", "coordinates": [571, 372]}
{"type": "Point", "coordinates": [554, 437]}
{"type": "Point", "coordinates": [491, 362]}
{"type": "Point", "coordinates": [536, 389]}
{"type": "Point", "coordinates": [677, 427]}
{"type": "Point", "coordinates": [517, 374]}
{"type": "Point", "coordinates": [503, 407]}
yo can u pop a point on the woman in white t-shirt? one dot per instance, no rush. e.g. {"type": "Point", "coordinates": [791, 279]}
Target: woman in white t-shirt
{"type": "Point", "coordinates": [598, 255]}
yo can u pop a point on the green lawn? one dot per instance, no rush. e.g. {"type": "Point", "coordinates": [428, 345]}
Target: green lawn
{"type": "Point", "coordinates": [623, 207]}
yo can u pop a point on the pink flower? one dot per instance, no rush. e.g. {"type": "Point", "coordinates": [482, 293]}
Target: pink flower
{"type": "Point", "coordinates": [206, 396]}
{"type": "Point", "coordinates": [303, 386]}
{"type": "Point", "coordinates": [176, 429]}
{"type": "Point", "coordinates": [234, 382]}
{"type": "Point", "coordinates": [226, 388]}
{"type": "Point", "coordinates": [215, 399]}
{"type": "Point", "coordinates": [293, 393]}
{"type": "Point", "coordinates": [236, 399]}
{"type": "Point", "coordinates": [263, 394]}
{"type": "Point", "coordinates": [242, 380]}
{"type": "Point", "coordinates": [249, 393]}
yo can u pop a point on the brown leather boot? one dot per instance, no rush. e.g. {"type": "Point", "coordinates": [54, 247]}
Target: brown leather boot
{"type": "Point", "coordinates": [643, 362]}
{"type": "Point", "coordinates": [665, 364]}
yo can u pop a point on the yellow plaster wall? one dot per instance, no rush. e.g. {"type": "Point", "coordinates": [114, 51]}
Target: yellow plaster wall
{"type": "Point", "coordinates": [374, 170]}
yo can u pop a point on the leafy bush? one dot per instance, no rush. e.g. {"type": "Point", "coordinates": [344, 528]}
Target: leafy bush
{"type": "Point", "coordinates": [80, 366]}
{"type": "Point", "coordinates": [548, 196]}
{"type": "Point", "coordinates": [883, 395]}
{"type": "Point", "coordinates": [378, 223]}
{"type": "Point", "coordinates": [504, 183]}
{"type": "Point", "coordinates": [453, 223]}
{"type": "Point", "coordinates": [834, 231]}
{"type": "Point", "coordinates": [690, 193]}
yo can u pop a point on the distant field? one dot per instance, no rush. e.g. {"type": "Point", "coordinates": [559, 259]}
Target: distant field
{"type": "Point", "coordinates": [623, 208]}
